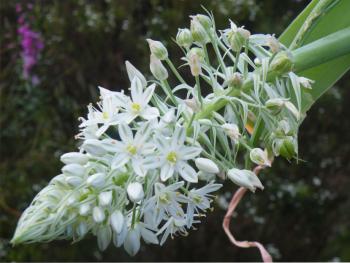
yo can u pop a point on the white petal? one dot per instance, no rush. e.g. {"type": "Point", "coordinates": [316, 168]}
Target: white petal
{"type": "Point", "coordinates": [178, 137]}
{"type": "Point", "coordinates": [119, 160]}
{"type": "Point", "coordinates": [206, 165]}
{"type": "Point", "coordinates": [125, 132]}
{"type": "Point", "coordinates": [188, 173]}
{"type": "Point", "coordinates": [74, 157]}
{"type": "Point", "coordinates": [136, 91]}
{"type": "Point", "coordinates": [148, 93]}
{"type": "Point", "coordinates": [117, 221]}
{"type": "Point", "coordinates": [102, 129]}
{"type": "Point", "coordinates": [133, 72]}
{"type": "Point", "coordinates": [149, 236]}
{"type": "Point", "coordinates": [150, 113]}
{"type": "Point", "coordinates": [98, 214]}
{"type": "Point", "coordinates": [105, 198]}
{"type": "Point", "coordinates": [166, 172]}
{"type": "Point", "coordinates": [189, 152]}
{"type": "Point", "coordinates": [132, 242]}
{"type": "Point", "coordinates": [135, 192]}
{"type": "Point", "coordinates": [104, 237]}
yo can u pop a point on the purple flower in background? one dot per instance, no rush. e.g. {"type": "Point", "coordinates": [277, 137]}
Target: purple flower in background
{"type": "Point", "coordinates": [31, 44]}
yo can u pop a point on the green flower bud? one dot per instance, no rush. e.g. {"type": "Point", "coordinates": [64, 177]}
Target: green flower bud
{"type": "Point", "coordinates": [198, 32]}
{"type": "Point", "coordinates": [259, 157]}
{"type": "Point", "coordinates": [157, 49]}
{"type": "Point", "coordinates": [285, 147]}
{"type": "Point", "coordinates": [233, 78]}
{"type": "Point", "coordinates": [184, 38]}
{"type": "Point", "coordinates": [282, 63]}
{"type": "Point", "coordinates": [204, 20]}
{"type": "Point", "coordinates": [157, 69]}
{"type": "Point", "coordinates": [273, 44]}
{"type": "Point", "coordinates": [237, 37]}
{"type": "Point", "coordinates": [195, 57]}
{"type": "Point", "coordinates": [275, 105]}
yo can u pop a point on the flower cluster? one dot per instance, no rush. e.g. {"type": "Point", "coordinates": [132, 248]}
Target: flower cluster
{"type": "Point", "coordinates": [149, 163]}
{"type": "Point", "coordinates": [31, 44]}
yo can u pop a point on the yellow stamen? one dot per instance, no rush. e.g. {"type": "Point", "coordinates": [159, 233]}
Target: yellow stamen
{"type": "Point", "coordinates": [171, 157]}
{"type": "Point", "coordinates": [131, 149]}
{"type": "Point", "coordinates": [105, 115]}
{"type": "Point", "coordinates": [135, 107]}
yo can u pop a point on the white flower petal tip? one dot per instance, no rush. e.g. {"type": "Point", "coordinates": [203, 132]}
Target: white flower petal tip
{"type": "Point", "coordinates": [245, 178]}
{"type": "Point", "coordinates": [207, 165]}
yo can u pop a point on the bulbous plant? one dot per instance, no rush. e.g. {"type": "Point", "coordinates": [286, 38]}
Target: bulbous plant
{"type": "Point", "coordinates": [150, 162]}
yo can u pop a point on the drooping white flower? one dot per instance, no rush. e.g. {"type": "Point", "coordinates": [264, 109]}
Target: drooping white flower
{"type": "Point", "coordinates": [135, 192]}
{"type": "Point", "coordinates": [206, 165]}
{"type": "Point", "coordinates": [231, 130]}
{"type": "Point", "coordinates": [105, 198]}
{"type": "Point", "coordinates": [94, 147]}
{"type": "Point", "coordinates": [74, 157]}
{"type": "Point", "coordinates": [98, 214]}
{"type": "Point", "coordinates": [104, 236]}
{"type": "Point", "coordinates": [172, 227]}
{"type": "Point", "coordinates": [117, 221]}
{"type": "Point", "coordinates": [73, 169]}
{"type": "Point", "coordinates": [138, 104]}
{"type": "Point", "coordinates": [174, 156]}
{"type": "Point", "coordinates": [259, 157]}
{"type": "Point", "coordinates": [245, 178]}
{"type": "Point", "coordinates": [96, 180]}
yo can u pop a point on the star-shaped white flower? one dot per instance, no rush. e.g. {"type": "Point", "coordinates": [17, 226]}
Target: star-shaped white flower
{"type": "Point", "coordinates": [174, 156]}
{"type": "Point", "coordinates": [138, 104]}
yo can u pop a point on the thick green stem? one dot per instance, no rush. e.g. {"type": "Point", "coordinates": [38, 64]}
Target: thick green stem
{"type": "Point", "coordinates": [320, 51]}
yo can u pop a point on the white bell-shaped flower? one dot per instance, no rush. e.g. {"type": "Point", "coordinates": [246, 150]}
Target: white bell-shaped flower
{"type": "Point", "coordinates": [135, 192]}
{"type": "Point", "coordinates": [207, 165]}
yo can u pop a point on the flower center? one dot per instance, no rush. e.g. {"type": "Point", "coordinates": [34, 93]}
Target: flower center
{"type": "Point", "coordinates": [131, 149]}
{"type": "Point", "coordinates": [135, 107]}
{"type": "Point", "coordinates": [105, 115]}
{"type": "Point", "coordinates": [163, 198]}
{"type": "Point", "coordinates": [172, 157]}
{"type": "Point", "coordinates": [197, 199]}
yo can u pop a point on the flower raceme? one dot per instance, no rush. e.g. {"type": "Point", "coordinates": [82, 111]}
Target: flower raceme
{"type": "Point", "coordinates": [148, 163]}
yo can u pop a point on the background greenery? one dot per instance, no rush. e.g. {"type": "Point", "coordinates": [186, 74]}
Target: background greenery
{"type": "Point", "coordinates": [303, 214]}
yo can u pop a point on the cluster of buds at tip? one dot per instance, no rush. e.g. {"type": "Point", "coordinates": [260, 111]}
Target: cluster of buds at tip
{"type": "Point", "coordinates": [237, 36]}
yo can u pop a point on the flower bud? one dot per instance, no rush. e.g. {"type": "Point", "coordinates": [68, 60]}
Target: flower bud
{"type": "Point", "coordinates": [259, 157]}
{"type": "Point", "coordinates": [184, 38]}
{"type": "Point", "coordinates": [285, 147]}
{"type": "Point", "coordinates": [193, 105]}
{"type": "Point", "coordinates": [204, 20]}
{"type": "Point", "coordinates": [194, 60]}
{"type": "Point", "coordinates": [74, 157]}
{"type": "Point", "coordinates": [96, 180]}
{"type": "Point", "coordinates": [82, 229]}
{"type": "Point", "coordinates": [275, 105]}
{"type": "Point", "coordinates": [237, 37]}
{"type": "Point", "coordinates": [305, 82]}
{"type": "Point", "coordinates": [157, 69]}
{"type": "Point", "coordinates": [84, 209]}
{"type": "Point", "coordinates": [198, 32]}
{"type": "Point", "coordinates": [74, 180]}
{"type": "Point", "coordinates": [94, 147]}
{"type": "Point", "coordinates": [157, 49]}
{"type": "Point", "coordinates": [231, 130]}
{"type": "Point", "coordinates": [117, 221]}
{"type": "Point", "coordinates": [135, 192]}
{"type": "Point", "coordinates": [273, 44]}
{"type": "Point", "coordinates": [207, 165]}
{"type": "Point", "coordinates": [105, 198]}
{"type": "Point", "coordinates": [233, 78]}
{"type": "Point", "coordinates": [98, 214]}
{"type": "Point", "coordinates": [282, 63]}
{"type": "Point", "coordinates": [73, 169]}
{"type": "Point", "coordinates": [245, 178]}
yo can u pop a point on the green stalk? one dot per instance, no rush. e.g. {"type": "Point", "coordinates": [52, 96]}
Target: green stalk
{"type": "Point", "coordinates": [174, 70]}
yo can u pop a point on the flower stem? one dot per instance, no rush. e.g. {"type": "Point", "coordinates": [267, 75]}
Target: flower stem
{"type": "Point", "coordinates": [174, 70]}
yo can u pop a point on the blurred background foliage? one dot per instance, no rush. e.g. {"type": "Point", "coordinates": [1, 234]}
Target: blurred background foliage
{"type": "Point", "coordinates": [303, 214]}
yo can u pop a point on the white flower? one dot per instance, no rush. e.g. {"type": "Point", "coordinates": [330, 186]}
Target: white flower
{"type": "Point", "coordinates": [117, 221]}
{"type": "Point", "coordinates": [199, 200]}
{"type": "Point", "coordinates": [174, 156]}
{"type": "Point", "coordinates": [131, 148]}
{"type": "Point", "coordinates": [105, 198]}
{"type": "Point", "coordinates": [74, 180]}
{"type": "Point", "coordinates": [104, 237]}
{"type": "Point", "coordinates": [157, 49]}
{"type": "Point", "coordinates": [74, 157]}
{"type": "Point", "coordinates": [84, 209]}
{"type": "Point", "coordinates": [96, 180]}
{"type": "Point", "coordinates": [138, 104]}
{"type": "Point", "coordinates": [245, 178]}
{"type": "Point", "coordinates": [98, 214]}
{"type": "Point", "coordinates": [305, 82]}
{"type": "Point", "coordinates": [135, 192]}
{"type": "Point", "coordinates": [171, 227]}
{"type": "Point", "coordinates": [73, 169]}
{"type": "Point", "coordinates": [94, 147]}
{"type": "Point", "coordinates": [157, 69]}
{"type": "Point", "coordinates": [165, 202]}
{"type": "Point", "coordinates": [206, 165]}
{"type": "Point", "coordinates": [259, 157]}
